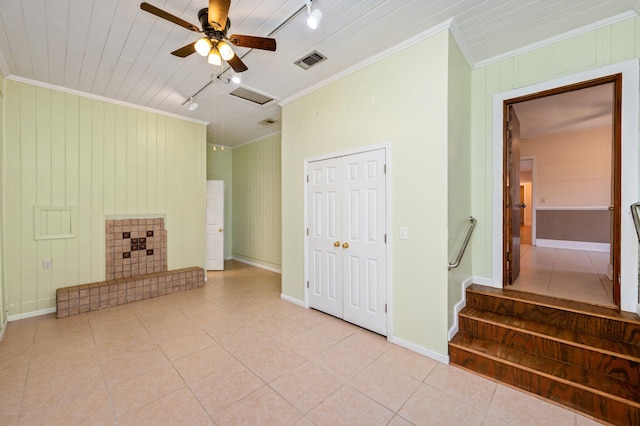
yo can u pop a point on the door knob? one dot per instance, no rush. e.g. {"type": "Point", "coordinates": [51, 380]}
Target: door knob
{"type": "Point", "coordinates": [345, 245]}
{"type": "Point", "coordinates": [220, 230]}
{"type": "Point", "coordinates": [522, 206]}
{"type": "Point", "coordinates": [336, 244]}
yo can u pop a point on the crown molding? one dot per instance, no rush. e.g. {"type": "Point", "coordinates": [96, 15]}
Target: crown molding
{"type": "Point", "coordinates": [101, 98]}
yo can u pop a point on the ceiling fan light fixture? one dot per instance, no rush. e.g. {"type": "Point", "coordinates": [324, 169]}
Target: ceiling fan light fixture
{"type": "Point", "coordinates": [214, 58]}
{"type": "Point", "coordinates": [203, 46]}
{"type": "Point", "coordinates": [225, 51]}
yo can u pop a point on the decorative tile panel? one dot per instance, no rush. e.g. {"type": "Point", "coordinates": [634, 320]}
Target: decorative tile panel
{"type": "Point", "coordinates": [135, 247]}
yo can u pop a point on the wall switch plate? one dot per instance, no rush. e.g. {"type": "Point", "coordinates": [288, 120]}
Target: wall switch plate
{"type": "Point", "coordinates": [404, 233]}
{"type": "Point", "coordinates": [46, 264]}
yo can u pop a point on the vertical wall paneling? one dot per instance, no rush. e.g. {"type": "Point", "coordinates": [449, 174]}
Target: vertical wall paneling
{"type": "Point", "coordinates": [97, 159]}
{"type": "Point", "coordinates": [3, 251]}
{"type": "Point", "coordinates": [257, 201]}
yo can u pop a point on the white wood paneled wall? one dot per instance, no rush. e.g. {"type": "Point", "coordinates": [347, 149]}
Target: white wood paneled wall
{"type": "Point", "coordinates": [101, 158]}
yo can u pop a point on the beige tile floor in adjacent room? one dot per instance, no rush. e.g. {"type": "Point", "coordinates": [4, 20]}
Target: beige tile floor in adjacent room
{"type": "Point", "coordinates": [568, 274]}
{"type": "Point", "coordinates": [234, 353]}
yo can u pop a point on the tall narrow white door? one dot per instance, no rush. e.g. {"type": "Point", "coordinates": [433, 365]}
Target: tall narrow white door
{"type": "Point", "coordinates": [215, 225]}
{"type": "Point", "coordinates": [346, 245]}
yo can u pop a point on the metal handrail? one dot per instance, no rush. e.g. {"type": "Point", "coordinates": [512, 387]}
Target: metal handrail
{"type": "Point", "coordinates": [455, 264]}
{"type": "Point", "coordinates": [635, 211]}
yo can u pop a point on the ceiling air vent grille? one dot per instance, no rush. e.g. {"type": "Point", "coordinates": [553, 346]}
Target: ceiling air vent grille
{"type": "Point", "coordinates": [310, 60]}
{"type": "Point", "coordinates": [251, 96]}
{"type": "Point", "coordinates": [268, 122]}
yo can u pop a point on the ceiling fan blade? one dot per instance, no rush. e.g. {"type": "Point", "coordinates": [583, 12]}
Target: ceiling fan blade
{"type": "Point", "coordinates": [185, 51]}
{"type": "Point", "coordinates": [169, 17]}
{"type": "Point", "coordinates": [218, 12]}
{"type": "Point", "coordinates": [253, 42]}
{"type": "Point", "coordinates": [237, 64]}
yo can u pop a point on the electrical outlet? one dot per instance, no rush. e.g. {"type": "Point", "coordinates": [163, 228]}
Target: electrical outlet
{"type": "Point", "coordinates": [542, 200]}
{"type": "Point", "coordinates": [46, 264]}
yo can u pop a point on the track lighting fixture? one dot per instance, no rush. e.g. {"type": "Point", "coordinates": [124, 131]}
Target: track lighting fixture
{"type": "Point", "coordinates": [314, 18]}
{"type": "Point", "coordinates": [236, 78]}
{"type": "Point", "coordinates": [193, 105]}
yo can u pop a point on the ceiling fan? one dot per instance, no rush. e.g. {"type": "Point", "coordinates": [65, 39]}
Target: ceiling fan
{"type": "Point", "coordinates": [215, 43]}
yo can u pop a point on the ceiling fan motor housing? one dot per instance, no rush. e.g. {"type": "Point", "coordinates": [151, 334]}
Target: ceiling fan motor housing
{"type": "Point", "coordinates": [212, 33]}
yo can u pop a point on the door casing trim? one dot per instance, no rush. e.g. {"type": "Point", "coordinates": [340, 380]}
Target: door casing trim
{"type": "Point", "coordinates": [630, 71]}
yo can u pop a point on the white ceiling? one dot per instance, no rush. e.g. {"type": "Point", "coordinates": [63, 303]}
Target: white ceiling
{"type": "Point", "coordinates": [111, 48]}
{"type": "Point", "coordinates": [566, 112]}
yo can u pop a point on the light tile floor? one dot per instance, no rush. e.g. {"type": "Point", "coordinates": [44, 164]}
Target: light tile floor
{"type": "Point", "coordinates": [568, 274]}
{"type": "Point", "coordinates": [234, 353]}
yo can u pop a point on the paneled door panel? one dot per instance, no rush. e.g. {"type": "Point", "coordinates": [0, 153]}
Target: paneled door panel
{"type": "Point", "coordinates": [365, 222]}
{"type": "Point", "coordinates": [325, 204]}
{"type": "Point", "coordinates": [347, 253]}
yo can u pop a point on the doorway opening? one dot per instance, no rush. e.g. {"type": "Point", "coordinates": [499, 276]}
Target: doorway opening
{"type": "Point", "coordinates": [561, 224]}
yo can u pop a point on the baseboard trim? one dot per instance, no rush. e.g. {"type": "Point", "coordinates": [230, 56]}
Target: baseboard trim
{"type": "Point", "coordinates": [4, 329]}
{"type": "Point", "coordinates": [292, 300]}
{"type": "Point", "coordinates": [419, 349]}
{"type": "Point", "coordinates": [257, 264]}
{"type": "Point", "coordinates": [459, 306]}
{"type": "Point", "coordinates": [483, 281]}
{"type": "Point", "coordinates": [573, 245]}
{"type": "Point", "coordinates": [31, 314]}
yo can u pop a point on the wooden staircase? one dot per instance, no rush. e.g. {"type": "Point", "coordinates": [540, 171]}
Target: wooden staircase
{"type": "Point", "coordinates": [582, 356]}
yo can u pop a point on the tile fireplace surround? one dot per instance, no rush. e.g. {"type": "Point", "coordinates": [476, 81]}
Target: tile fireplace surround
{"type": "Point", "coordinates": [136, 269]}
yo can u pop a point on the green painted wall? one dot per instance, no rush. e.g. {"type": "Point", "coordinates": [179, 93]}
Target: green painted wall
{"type": "Point", "coordinates": [102, 159]}
{"type": "Point", "coordinates": [257, 202]}
{"type": "Point", "coordinates": [3, 275]}
{"type": "Point", "coordinates": [604, 46]}
{"type": "Point", "coordinates": [370, 107]}
{"type": "Point", "coordinates": [219, 167]}
{"type": "Point", "coordinates": [459, 171]}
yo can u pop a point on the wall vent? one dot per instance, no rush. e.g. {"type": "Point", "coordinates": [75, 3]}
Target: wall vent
{"type": "Point", "coordinates": [310, 60]}
{"type": "Point", "coordinates": [251, 96]}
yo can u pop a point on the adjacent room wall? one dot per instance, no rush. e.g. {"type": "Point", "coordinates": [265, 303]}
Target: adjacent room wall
{"type": "Point", "coordinates": [573, 168]}
{"type": "Point", "coordinates": [257, 203]}
{"type": "Point", "coordinates": [219, 167]}
{"type": "Point", "coordinates": [99, 159]}
{"type": "Point", "coordinates": [372, 107]}
{"type": "Point", "coordinates": [604, 46]}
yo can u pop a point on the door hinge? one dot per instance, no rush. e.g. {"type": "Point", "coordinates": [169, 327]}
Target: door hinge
{"type": "Point", "coordinates": [307, 231]}
{"type": "Point", "coordinates": [307, 178]}
{"type": "Point", "coordinates": [307, 284]}
{"type": "Point", "coordinates": [509, 126]}
{"type": "Point", "coordinates": [385, 308]}
{"type": "Point", "coordinates": [385, 238]}
{"type": "Point", "coordinates": [509, 257]}
{"type": "Point", "coordinates": [385, 169]}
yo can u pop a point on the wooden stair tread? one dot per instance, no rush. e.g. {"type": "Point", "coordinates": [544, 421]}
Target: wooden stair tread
{"type": "Point", "coordinates": [557, 303]}
{"type": "Point", "coordinates": [552, 369]}
{"type": "Point", "coordinates": [566, 336]}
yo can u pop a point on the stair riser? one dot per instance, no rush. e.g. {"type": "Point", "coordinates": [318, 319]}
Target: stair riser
{"type": "Point", "coordinates": [595, 404]}
{"type": "Point", "coordinates": [590, 359]}
{"type": "Point", "coordinates": [593, 325]}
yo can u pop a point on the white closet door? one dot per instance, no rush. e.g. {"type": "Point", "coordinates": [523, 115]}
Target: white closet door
{"type": "Point", "coordinates": [364, 259]}
{"type": "Point", "coordinates": [325, 229]}
{"type": "Point", "coordinates": [215, 225]}
{"type": "Point", "coordinates": [346, 247]}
